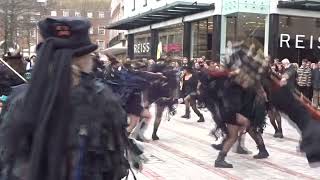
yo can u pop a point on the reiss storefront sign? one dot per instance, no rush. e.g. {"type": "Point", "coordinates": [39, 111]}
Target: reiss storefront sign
{"type": "Point", "coordinates": [300, 41]}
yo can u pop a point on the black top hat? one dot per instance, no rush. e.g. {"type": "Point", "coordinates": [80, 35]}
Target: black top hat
{"type": "Point", "coordinates": [72, 32]}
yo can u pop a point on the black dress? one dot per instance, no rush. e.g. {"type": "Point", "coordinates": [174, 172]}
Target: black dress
{"type": "Point", "coordinates": [189, 86]}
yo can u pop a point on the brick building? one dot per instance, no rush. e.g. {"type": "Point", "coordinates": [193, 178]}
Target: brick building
{"type": "Point", "coordinates": [98, 19]}
{"type": "Point", "coordinates": [98, 14]}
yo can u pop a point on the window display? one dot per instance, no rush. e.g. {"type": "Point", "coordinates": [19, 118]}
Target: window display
{"type": "Point", "coordinates": [171, 39]}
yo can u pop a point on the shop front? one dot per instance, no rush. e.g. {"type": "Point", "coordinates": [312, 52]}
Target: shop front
{"type": "Point", "coordinates": [171, 40]}
{"type": "Point", "coordinates": [201, 39]}
{"type": "Point", "coordinates": [142, 45]}
{"type": "Point", "coordinates": [299, 38]}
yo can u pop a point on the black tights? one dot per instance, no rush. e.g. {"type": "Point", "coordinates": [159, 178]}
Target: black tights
{"type": "Point", "coordinates": [157, 121]}
{"type": "Point", "coordinates": [275, 119]}
{"type": "Point", "coordinates": [256, 136]}
{"type": "Point", "coordinates": [233, 134]}
{"type": "Point", "coordinates": [191, 101]}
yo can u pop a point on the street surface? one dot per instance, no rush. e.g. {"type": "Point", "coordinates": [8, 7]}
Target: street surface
{"type": "Point", "coordinates": [184, 153]}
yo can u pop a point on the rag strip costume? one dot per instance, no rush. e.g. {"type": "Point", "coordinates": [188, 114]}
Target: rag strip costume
{"type": "Point", "coordinates": [254, 70]}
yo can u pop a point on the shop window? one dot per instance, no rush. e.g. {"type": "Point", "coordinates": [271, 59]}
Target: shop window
{"type": "Point", "coordinates": [142, 45]}
{"type": "Point", "coordinates": [296, 42]}
{"type": "Point", "coordinates": [246, 27]}
{"type": "Point", "coordinates": [202, 38]}
{"type": "Point", "coordinates": [172, 41]}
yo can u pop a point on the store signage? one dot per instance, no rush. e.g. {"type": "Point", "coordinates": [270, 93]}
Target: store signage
{"type": "Point", "coordinates": [300, 41]}
{"type": "Point", "coordinates": [142, 48]}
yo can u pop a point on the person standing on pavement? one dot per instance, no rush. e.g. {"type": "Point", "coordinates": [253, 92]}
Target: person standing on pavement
{"type": "Point", "coordinates": [316, 85]}
{"type": "Point", "coordinates": [304, 78]}
{"type": "Point", "coordinates": [289, 74]}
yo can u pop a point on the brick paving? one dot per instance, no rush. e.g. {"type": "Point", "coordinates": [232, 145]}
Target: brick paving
{"type": "Point", "coordinates": [184, 153]}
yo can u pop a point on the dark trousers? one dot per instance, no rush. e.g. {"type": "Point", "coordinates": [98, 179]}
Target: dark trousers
{"type": "Point", "coordinates": [306, 91]}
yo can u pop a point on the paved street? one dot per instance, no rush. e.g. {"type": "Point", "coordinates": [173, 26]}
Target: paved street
{"type": "Point", "coordinates": [184, 153]}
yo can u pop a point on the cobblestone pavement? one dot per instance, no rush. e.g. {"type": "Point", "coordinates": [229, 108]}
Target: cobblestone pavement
{"type": "Point", "coordinates": [184, 153]}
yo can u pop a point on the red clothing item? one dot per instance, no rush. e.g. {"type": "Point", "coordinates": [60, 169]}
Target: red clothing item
{"type": "Point", "coordinates": [224, 73]}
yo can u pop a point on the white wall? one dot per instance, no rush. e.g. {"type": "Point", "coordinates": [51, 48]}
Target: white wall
{"type": "Point", "coordinates": [152, 4]}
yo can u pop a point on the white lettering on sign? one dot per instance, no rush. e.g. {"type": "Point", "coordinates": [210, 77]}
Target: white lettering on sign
{"type": "Point", "coordinates": [285, 40]}
{"type": "Point", "coordinates": [142, 48]}
{"type": "Point", "coordinates": [300, 41]}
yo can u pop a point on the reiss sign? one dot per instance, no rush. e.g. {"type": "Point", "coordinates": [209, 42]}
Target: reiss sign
{"type": "Point", "coordinates": [300, 41]}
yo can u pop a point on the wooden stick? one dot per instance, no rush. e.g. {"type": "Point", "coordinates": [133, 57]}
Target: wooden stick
{"type": "Point", "coordinates": [6, 64]}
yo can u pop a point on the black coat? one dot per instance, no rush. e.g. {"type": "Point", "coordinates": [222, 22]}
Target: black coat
{"type": "Point", "coordinates": [95, 109]}
{"type": "Point", "coordinates": [292, 73]}
{"type": "Point", "coordinates": [316, 79]}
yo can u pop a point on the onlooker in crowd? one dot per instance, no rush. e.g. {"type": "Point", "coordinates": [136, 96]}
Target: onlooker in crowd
{"type": "Point", "coordinates": [280, 68]}
{"type": "Point", "coordinates": [296, 66]}
{"type": "Point", "coordinates": [316, 85]}
{"type": "Point", "coordinates": [304, 79]}
{"type": "Point", "coordinates": [185, 62]}
{"type": "Point", "coordinates": [290, 74]}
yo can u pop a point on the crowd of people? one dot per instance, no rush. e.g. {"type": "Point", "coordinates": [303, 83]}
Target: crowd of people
{"type": "Point", "coordinates": [79, 117]}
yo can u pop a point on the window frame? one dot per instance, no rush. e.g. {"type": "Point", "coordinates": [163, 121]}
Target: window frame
{"type": "Point", "coordinates": [53, 13]}
{"type": "Point", "coordinates": [101, 28]}
{"type": "Point", "coordinates": [91, 31]}
{"type": "Point", "coordinates": [90, 16]}
{"type": "Point", "coordinates": [101, 41]}
{"type": "Point", "coordinates": [77, 14]}
{"type": "Point", "coordinates": [65, 13]}
{"type": "Point", "coordinates": [134, 5]}
{"type": "Point", "coordinates": [101, 13]}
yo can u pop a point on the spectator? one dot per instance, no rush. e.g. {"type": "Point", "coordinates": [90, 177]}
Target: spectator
{"type": "Point", "coordinates": [280, 68]}
{"type": "Point", "coordinates": [289, 75]}
{"type": "Point", "coordinates": [316, 85]}
{"type": "Point", "coordinates": [304, 79]}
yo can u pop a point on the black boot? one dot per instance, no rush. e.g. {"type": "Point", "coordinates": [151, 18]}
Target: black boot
{"type": "Point", "coordinates": [187, 115]}
{"type": "Point", "coordinates": [155, 137]}
{"type": "Point", "coordinates": [155, 130]}
{"type": "Point", "coordinates": [217, 146]}
{"type": "Point", "coordinates": [221, 163]}
{"type": "Point", "coordinates": [278, 134]}
{"type": "Point", "coordinates": [242, 150]}
{"type": "Point", "coordinates": [263, 153]}
{"type": "Point", "coordinates": [201, 118]}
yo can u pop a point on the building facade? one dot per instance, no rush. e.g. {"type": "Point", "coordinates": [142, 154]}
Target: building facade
{"type": "Point", "coordinates": [118, 41]}
{"type": "Point", "coordinates": [27, 35]}
{"type": "Point", "coordinates": [99, 20]}
{"type": "Point", "coordinates": [281, 29]}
